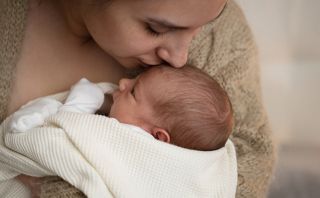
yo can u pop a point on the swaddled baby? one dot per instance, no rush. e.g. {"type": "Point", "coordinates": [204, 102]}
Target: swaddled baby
{"type": "Point", "coordinates": [184, 107]}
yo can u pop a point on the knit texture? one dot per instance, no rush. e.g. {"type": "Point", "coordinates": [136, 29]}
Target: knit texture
{"type": "Point", "coordinates": [12, 25]}
{"type": "Point", "coordinates": [105, 158]}
{"type": "Point", "coordinates": [225, 49]}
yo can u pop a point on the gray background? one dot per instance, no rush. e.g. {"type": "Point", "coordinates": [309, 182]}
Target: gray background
{"type": "Point", "coordinates": [288, 37]}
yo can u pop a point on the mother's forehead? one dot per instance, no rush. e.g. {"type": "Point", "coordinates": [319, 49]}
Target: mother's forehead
{"type": "Point", "coordinates": [181, 12]}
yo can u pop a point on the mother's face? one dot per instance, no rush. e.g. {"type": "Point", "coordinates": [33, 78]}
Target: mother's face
{"type": "Point", "coordinates": [149, 32]}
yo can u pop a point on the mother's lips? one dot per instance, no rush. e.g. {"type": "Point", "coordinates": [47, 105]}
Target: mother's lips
{"type": "Point", "coordinates": [146, 65]}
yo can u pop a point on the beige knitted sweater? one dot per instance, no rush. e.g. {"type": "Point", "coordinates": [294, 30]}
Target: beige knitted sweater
{"type": "Point", "coordinates": [224, 49]}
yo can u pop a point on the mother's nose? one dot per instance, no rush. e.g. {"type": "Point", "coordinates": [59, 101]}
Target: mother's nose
{"type": "Point", "coordinates": [175, 50]}
{"type": "Point", "coordinates": [175, 57]}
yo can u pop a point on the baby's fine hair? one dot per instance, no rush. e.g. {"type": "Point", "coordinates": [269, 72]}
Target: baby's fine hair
{"type": "Point", "coordinates": [195, 110]}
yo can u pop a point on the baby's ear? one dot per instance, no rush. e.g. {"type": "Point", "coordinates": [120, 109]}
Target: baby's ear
{"type": "Point", "coordinates": [160, 134]}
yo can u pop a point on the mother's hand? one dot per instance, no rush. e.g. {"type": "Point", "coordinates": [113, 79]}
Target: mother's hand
{"type": "Point", "coordinates": [33, 183]}
{"type": "Point", "coordinates": [39, 187]}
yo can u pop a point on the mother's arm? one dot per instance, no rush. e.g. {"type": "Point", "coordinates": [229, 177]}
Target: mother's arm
{"type": "Point", "coordinates": [226, 50]}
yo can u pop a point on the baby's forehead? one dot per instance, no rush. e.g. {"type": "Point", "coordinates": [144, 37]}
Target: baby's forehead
{"type": "Point", "coordinates": [159, 72]}
{"type": "Point", "coordinates": [157, 79]}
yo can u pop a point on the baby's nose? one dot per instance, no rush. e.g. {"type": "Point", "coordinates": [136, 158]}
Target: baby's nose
{"type": "Point", "coordinates": [124, 83]}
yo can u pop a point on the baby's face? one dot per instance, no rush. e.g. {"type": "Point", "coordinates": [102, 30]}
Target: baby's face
{"type": "Point", "coordinates": [134, 100]}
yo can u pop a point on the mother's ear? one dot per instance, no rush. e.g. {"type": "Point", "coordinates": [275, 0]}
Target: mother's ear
{"type": "Point", "coordinates": [160, 134]}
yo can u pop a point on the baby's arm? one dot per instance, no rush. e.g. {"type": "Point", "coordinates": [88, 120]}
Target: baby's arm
{"type": "Point", "coordinates": [84, 97]}
{"type": "Point", "coordinates": [87, 97]}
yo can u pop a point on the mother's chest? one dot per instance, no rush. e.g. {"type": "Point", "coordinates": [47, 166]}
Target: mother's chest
{"type": "Point", "coordinates": [51, 63]}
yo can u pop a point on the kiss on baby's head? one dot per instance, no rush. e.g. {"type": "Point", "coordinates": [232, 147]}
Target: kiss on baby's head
{"type": "Point", "coordinates": [184, 106]}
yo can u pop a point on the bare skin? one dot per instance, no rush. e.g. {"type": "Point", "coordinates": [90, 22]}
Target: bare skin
{"type": "Point", "coordinates": [53, 58]}
{"type": "Point", "coordinates": [33, 183]}
{"type": "Point", "coordinates": [57, 51]}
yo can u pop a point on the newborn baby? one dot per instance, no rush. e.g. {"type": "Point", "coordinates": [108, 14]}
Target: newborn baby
{"type": "Point", "coordinates": [126, 154]}
{"type": "Point", "coordinates": [182, 106]}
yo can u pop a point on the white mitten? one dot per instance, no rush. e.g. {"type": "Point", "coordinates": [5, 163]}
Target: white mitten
{"type": "Point", "coordinates": [33, 114]}
{"type": "Point", "coordinates": [84, 97]}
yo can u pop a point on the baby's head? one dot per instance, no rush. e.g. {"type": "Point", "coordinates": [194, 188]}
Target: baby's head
{"type": "Point", "coordinates": [185, 107]}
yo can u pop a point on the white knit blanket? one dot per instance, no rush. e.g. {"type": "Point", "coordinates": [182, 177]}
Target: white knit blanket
{"type": "Point", "coordinates": [104, 158]}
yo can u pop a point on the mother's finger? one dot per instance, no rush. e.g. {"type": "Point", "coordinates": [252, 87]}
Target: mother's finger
{"type": "Point", "coordinates": [33, 183]}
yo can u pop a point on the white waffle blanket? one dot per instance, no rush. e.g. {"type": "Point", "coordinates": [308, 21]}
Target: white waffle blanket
{"type": "Point", "coordinates": [105, 158]}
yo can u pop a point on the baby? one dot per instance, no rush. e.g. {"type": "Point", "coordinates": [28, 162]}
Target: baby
{"type": "Point", "coordinates": [182, 106]}
{"type": "Point", "coordinates": [120, 155]}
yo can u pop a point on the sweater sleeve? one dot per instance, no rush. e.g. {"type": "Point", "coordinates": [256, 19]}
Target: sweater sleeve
{"type": "Point", "coordinates": [226, 50]}
{"type": "Point", "coordinates": [56, 187]}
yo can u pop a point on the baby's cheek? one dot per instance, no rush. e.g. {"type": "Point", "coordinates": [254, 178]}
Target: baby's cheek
{"type": "Point", "coordinates": [111, 114]}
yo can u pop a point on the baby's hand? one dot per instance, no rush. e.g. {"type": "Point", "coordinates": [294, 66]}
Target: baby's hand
{"type": "Point", "coordinates": [33, 114]}
{"type": "Point", "coordinates": [84, 97]}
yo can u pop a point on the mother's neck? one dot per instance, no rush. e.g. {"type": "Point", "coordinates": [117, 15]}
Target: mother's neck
{"type": "Point", "coordinates": [73, 12]}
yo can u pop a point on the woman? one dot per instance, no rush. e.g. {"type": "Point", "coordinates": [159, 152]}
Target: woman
{"type": "Point", "coordinates": [48, 45]}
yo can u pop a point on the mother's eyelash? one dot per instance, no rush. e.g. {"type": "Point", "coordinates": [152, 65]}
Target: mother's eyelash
{"type": "Point", "coordinates": [153, 32]}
